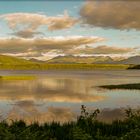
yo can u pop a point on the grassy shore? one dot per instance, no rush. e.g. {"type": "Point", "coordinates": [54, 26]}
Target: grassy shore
{"type": "Point", "coordinates": [38, 66]}
{"type": "Point", "coordinates": [135, 86]}
{"type": "Point", "coordinates": [17, 77]}
{"type": "Point", "coordinates": [85, 128]}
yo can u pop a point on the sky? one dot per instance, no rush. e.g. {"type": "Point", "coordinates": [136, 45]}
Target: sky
{"type": "Point", "coordinates": [43, 29]}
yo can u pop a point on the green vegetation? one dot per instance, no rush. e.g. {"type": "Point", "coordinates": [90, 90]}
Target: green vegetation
{"type": "Point", "coordinates": [17, 77]}
{"type": "Point", "coordinates": [37, 66]}
{"type": "Point", "coordinates": [85, 128]}
{"type": "Point", "coordinates": [10, 60]}
{"type": "Point", "coordinates": [123, 86]}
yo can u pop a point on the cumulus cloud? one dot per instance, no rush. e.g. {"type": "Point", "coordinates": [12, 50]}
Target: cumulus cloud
{"type": "Point", "coordinates": [103, 49]}
{"type": "Point", "coordinates": [26, 33]}
{"type": "Point", "coordinates": [47, 48]}
{"type": "Point", "coordinates": [122, 14]}
{"type": "Point", "coordinates": [42, 45]}
{"type": "Point", "coordinates": [25, 54]}
{"type": "Point", "coordinates": [27, 24]}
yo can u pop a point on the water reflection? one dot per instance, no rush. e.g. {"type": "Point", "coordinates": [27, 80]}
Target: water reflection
{"type": "Point", "coordinates": [29, 111]}
{"type": "Point", "coordinates": [48, 89]}
{"type": "Point", "coordinates": [58, 95]}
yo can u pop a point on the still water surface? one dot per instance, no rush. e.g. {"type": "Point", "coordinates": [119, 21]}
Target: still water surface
{"type": "Point", "coordinates": [58, 95]}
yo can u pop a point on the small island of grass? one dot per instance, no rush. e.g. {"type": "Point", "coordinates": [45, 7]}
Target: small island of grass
{"type": "Point", "coordinates": [18, 77]}
{"type": "Point", "coordinates": [134, 67]}
{"type": "Point", "coordinates": [135, 86]}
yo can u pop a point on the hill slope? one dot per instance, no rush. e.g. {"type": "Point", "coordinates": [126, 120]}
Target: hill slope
{"type": "Point", "coordinates": [12, 60]}
{"type": "Point", "coordinates": [131, 60]}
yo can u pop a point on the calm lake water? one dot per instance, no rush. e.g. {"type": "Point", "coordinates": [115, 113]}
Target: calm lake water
{"type": "Point", "coordinates": [58, 95]}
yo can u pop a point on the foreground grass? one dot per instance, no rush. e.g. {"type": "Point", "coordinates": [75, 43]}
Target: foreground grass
{"type": "Point", "coordinates": [39, 66]}
{"type": "Point", "coordinates": [123, 86]}
{"type": "Point", "coordinates": [85, 128]}
{"type": "Point", "coordinates": [17, 77]}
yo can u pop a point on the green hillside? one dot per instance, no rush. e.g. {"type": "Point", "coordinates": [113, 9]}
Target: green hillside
{"type": "Point", "coordinates": [12, 60]}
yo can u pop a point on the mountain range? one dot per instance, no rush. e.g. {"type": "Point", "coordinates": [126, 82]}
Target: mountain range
{"type": "Point", "coordinates": [72, 59]}
{"type": "Point", "coordinates": [95, 59]}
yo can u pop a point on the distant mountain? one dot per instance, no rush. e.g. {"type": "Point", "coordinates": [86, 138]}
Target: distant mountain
{"type": "Point", "coordinates": [81, 59]}
{"type": "Point", "coordinates": [131, 60]}
{"type": "Point", "coordinates": [36, 60]}
{"type": "Point", "coordinates": [94, 59]}
{"type": "Point", "coordinates": [71, 59]}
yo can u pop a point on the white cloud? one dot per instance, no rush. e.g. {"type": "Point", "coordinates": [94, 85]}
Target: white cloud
{"type": "Point", "coordinates": [27, 24]}
{"type": "Point", "coordinates": [103, 49]}
{"type": "Point", "coordinates": [41, 47]}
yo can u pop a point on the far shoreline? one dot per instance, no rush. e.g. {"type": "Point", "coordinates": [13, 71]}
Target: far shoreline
{"type": "Point", "coordinates": [59, 66]}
